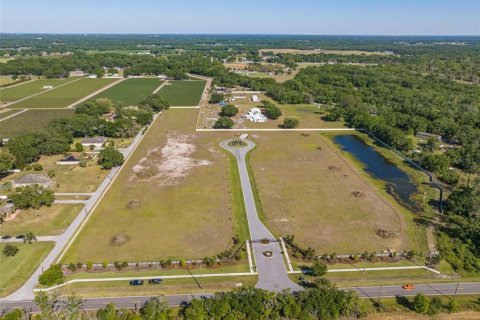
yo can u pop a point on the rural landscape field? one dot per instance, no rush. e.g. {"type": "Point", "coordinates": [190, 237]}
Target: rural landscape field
{"type": "Point", "coordinates": [287, 160]}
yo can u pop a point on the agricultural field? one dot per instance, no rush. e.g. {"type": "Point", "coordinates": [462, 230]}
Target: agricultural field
{"type": "Point", "coordinates": [130, 91]}
{"type": "Point", "coordinates": [308, 189]}
{"type": "Point", "coordinates": [7, 113]}
{"type": "Point", "coordinates": [157, 208]}
{"type": "Point", "coordinates": [66, 95]}
{"type": "Point", "coordinates": [183, 92]}
{"type": "Point", "coordinates": [20, 91]}
{"type": "Point", "coordinates": [31, 120]}
{"type": "Point", "coordinates": [16, 270]}
{"type": "Point", "coordinates": [46, 221]}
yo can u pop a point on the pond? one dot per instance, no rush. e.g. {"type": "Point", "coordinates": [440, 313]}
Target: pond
{"type": "Point", "coordinates": [397, 181]}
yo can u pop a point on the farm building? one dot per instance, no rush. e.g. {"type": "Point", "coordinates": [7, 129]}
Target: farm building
{"type": "Point", "coordinates": [31, 179]}
{"type": "Point", "coordinates": [97, 142]}
{"type": "Point", "coordinates": [427, 135]}
{"type": "Point", "coordinates": [255, 115]}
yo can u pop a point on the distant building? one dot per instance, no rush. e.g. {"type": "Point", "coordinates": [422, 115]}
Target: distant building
{"type": "Point", "coordinates": [97, 142]}
{"type": "Point", "coordinates": [69, 160]}
{"type": "Point", "coordinates": [427, 135]}
{"type": "Point", "coordinates": [31, 179]}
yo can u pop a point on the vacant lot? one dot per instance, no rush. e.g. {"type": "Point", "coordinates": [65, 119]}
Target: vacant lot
{"type": "Point", "coordinates": [16, 270]}
{"type": "Point", "coordinates": [171, 199]}
{"type": "Point", "coordinates": [46, 221]}
{"type": "Point", "coordinates": [309, 190]}
{"type": "Point", "coordinates": [65, 95]}
{"type": "Point", "coordinates": [339, 52]}
{"type": "Point", "coordinates": [21, 91]}
{"type": "Point", "coordinates": [130, 91]}
{"type": "Point", "coordinates": [183, 93]}
{"type": "Point", "coordinates": [31, 120]}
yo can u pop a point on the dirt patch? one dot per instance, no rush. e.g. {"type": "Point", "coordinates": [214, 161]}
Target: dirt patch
{"type": "Point", "coordinates": [358, 194]}
{"type": "Point", "coordinates": [334, 168]}
{"type": "Point", "coordinates": [119, 240]}
{"type": "Point", "coordinates": [386, 234]}
{"type": "Point", "coordinates": [168, 165]}
{"type": "Point", "coordinates": [133, 204]}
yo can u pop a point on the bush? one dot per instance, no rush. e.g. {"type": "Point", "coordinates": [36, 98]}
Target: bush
{"type": "Point", "coordinates": [420, 303]}
{"type": "Point", "coordinates": [229, 110]}
{"type": "Point", "coordinates": [105, 264]}
{"type": "Point", "coordinates": [290, 123]}
{"type": "Point", "coordinates": [79, 265]}
{"type": "Point", "coordinates": [10, 250]}
{"type": "Point", "coordinates": [209, 261]}
{"type": "Point", "coordinates": [183, 263]}
{"type": "Point", "coordinates": [72, 267]}
{"type": "Point", "coordinates": [271, 110]}
{"type": "Point", "coordinates": [216, 97]}
{"type": "Point", "coordinates": [109, 158]}
{"type": "Point", "coordinates": [450, 177]}
{"type": "Point", "coordinates": [52, 276]}
{"type": "Point", "coordinates": [89, 265]}
{"type": "Point", "coordinates": [436, 306]}
{"type": "Point", "coordinates": [78, 147]}
{"type": "Point", "coordinates": [224, 123]}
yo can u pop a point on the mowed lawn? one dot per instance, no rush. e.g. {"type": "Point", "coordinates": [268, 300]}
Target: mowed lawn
{"type": "Point", "coordinates": [17, 92]}
{"type": "Point", "coordinates": [46, 221]}
{"type": "Point", "coordinates": [171, 199]}
{"type": "Point", "coordinates": [183, 92]}
{"type": "Point", "coordinates": [65, 95]}
{"type": "Point", "coordinates": [14, 271]}
{"type": "Point", "coordinates": [31, 120]}
{"type": "Point", "coordinates": [130, 91]}
{"type": "Point", "coordinates": [309, 190]}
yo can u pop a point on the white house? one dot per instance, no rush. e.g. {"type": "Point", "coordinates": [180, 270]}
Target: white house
{"type": "Point", "coordinates": [255, 115]}
{"type": "Point", "coordinates": [255, 98]}
{"type": "Point", "coordinates": [97, 142]}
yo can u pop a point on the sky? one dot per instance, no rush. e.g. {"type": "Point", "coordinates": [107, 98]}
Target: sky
{"type": "Point", "coordinates": [334, 17]}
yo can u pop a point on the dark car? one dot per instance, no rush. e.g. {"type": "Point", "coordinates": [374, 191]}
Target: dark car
{"type": "Point", "coordinates": [6, 237]}
{"type": "Point", "coordinates": [20, 236]}
{"type": "Point", "coordinates": [136, 283]}
{"type": "Point", "coordinates": [155, 281]}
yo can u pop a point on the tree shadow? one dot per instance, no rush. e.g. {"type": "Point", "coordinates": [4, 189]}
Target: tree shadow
{"type": "Point", "coordinates": [403, 301]}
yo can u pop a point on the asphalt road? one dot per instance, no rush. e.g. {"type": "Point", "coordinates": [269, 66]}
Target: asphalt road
{"type": "Point", "coordinates": [373, 292]}
{"type": "Point", "coordinates": [272, 273]}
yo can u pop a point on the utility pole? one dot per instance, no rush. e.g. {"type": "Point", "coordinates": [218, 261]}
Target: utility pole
{"type": "Point", "coordinates": [456, 289]}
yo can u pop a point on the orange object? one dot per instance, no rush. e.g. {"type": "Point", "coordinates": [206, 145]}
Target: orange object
{"type": "Point", "coordinates": [408, 287]}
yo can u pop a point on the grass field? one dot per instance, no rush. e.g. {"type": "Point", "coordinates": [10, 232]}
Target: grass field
{"type": "Point", "coordinates": [183, 93]}
{"type": "Point", "coordinates": [6, 113]}
{"type": "Point", "coordinates": [16, 270]}
{"type": "Point", "coordinates": [31, 120]}
{"type": "Point", "coordinates": [130, 91]}
{"type": "Point", "coordinates": [65, 95]}
{"type": "Point", "coordinates": [10, 94]}
{"type": "Point", "coordinates": [309, 190]}
{"type": "Point", "coordinates": [158, 205]}
{"type": "Point", "coordinates": [46, 222]}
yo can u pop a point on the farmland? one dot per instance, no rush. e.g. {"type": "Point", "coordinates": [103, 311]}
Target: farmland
{"type": "Point", "coordinates": [17, 92]}
{"type": "Point", "coordinates": [308, 189]}
{"type": "Point", "coordinates": [130, 91]}
{"type": "Point", "coordinates": [183, 93]}
{"type": "Point", "coordinates": [163, 187]}
{"type": "Point", "coordinates": [6, 113]}
{"type": "Point", "coordinates": [65, 95]}
{"type": "Point", "coordinates": [31, 120]}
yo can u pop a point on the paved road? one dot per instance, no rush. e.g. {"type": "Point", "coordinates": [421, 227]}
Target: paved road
{"type": "Point", "coordinates": [272, 274]}
{"type": "Point", "coordinates": [62, 241]}
{"type": "Point", "coordinates": [372, 292]}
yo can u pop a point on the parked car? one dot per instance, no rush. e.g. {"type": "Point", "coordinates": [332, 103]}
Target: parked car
{"type": "Point", "coordinates": [155, 281]}
{"type": "Point", "coordinates": [6, 237]}
{"type": "Point", "coordinates": [136, 283]}
{"type": "Point", "coordinates": [408, 287]}
{"type": "Point", "coordinates": [20, 236]}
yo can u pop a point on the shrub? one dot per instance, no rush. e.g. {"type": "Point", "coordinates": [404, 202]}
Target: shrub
{"type": "Point", "coordinates": [290, 123]}
{"type": "Point", "coordinates": [183, 263]}
{"type": "Point", "coordinates": [78, 147]}
{"type": "Point", "coordinates": [10, 250]}
{"type": "Point", "coordinates": [79, 265]}
{"type": "Point", "coordinates": [28, 167]}
{"type": "Point", "coordinates": [37, 167]}
{"type": "Point", "coordinates": [224, 123]}
{"type": "Point", "coordinates": [72, 267]}
{"type": "Point", "coordinates": [453, 306]}
{"type": "Point", "coordinates": [209, 261]}
{"type": "Point", "coordinates": [229, 110]}
{"type": "Point", "coordinates": [105, 264]}
{"type": "Point", "coordinates": [436, 306]}
{"type": "Point", "coordinates": [52, 276]}
{"type": "Point", "coordinates": [271, 110]}
{"type": "Point", "coordinates": [51, 173]}
{"type": "Point", "coordinates": [89, 265]}
{"type": "Point", "coordinates": [420, 303]}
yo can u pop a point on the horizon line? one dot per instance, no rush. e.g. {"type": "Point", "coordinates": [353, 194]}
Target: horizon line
{"type": "Point", "coordinates": [243, 34]}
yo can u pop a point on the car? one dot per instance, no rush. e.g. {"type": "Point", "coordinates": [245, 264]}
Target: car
{"type": "Point", "coordinates": [20, 236]}
{"type": "Point", "coordinates": [408, 287]}
{"type": "Point", "coordinates": [155, 281]}
{"type": "Point", "coordinates": [136, 283]}
{"type": "Point", "coordinates": [6, 237]}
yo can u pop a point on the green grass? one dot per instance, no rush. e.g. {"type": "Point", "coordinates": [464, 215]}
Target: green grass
{"type": "Point", "coordinates": [10, 94]}
{"type": "Point", "coordinates": [183, 93]}
{"type": "Point", "coordinates": [7, 113]}
{"type": "Point", "coordinates": [14, 271]}
{"type": "Point", "coordinates": [31, 120]}
{"type": "Point", "coordinates": [47, 221]}
{"type": "Point", "coordinates": [64, 96]}
{"type": "Point", "coordinates": [130, 91]}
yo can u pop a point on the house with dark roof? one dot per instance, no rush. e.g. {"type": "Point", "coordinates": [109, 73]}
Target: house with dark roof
{"type": "Point", "coordinates": [31, 179]}
{"type": "Point", "coordinates": [96, 142]}
{"type": "Point", "coordinates": [69, 159]}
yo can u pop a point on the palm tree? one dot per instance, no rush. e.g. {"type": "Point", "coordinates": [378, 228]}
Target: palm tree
{"type": "Point", "coordinates": [29, 237]}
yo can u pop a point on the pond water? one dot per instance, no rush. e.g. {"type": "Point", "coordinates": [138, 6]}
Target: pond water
{"type": "Point", "coordinates": [398, 183]}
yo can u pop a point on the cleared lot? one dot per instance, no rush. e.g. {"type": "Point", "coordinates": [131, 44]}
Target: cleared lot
{"type": "Point", "coordinates": [309, 190]}
{"type": "Point", "coordinates": [130, 91]}
{"type": "Point", "coordinates": [10, 94]}
{"type": "Point", "coordinates": [171, 199]}
{"type": "Point", "coordinates": [183, 92]}
{"type": "Point", "coordinates": [31, 120]}
{"type": "Point", "coordinates": [65, 95]}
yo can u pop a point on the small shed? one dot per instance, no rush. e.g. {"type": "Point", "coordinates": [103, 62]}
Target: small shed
{"type": "Point", "coordinates": [31, 179]}
{"type": "Point", "coordinates": [69, 160]}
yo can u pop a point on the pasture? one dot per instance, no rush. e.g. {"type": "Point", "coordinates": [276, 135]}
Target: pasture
{"type": "Point", "coordinates": [157, 207]}
{"type": "Point", "coordinates": [20, 91]}
{"type": "Point", "coordinates": [64, 96]}
{"type": "Point", "coordinates": [308, 189]}
{"type": "Point", "coordinates": [31, 120]}
{"type": "Point", "coordinates": [130, 91]}
{"type": "Point", "coordinates": [16, 270]}
{"type": "Point", "coordinates": [183, 92]}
